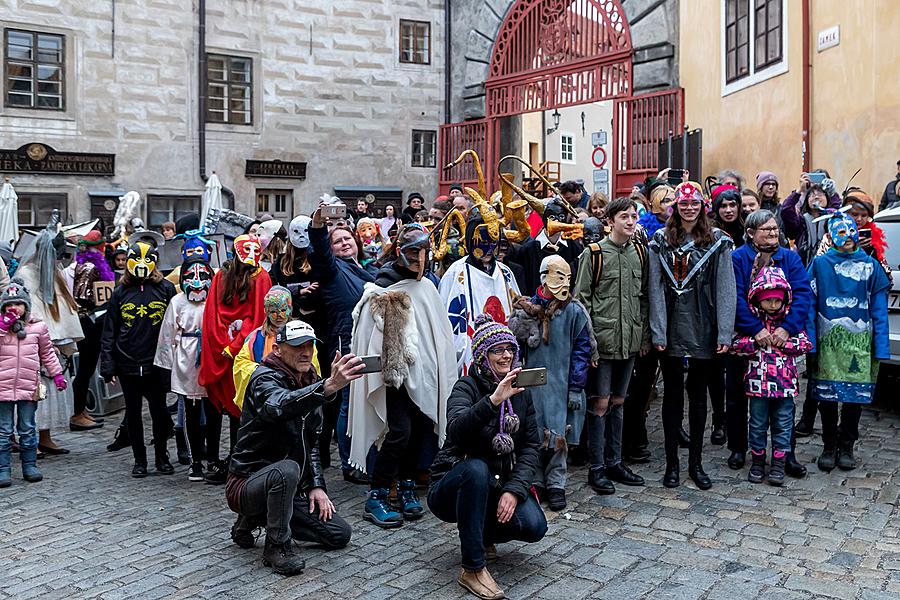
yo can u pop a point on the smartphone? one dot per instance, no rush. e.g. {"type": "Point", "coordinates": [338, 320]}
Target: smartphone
{"type": "Point", "coordinates": [816, 178]}
{"type": "Point", "coordinates": [531, 378]}
{"type": "Point", "coordinates": [675, 177]}
{"type": "Point", "coordinates": [372, 364]}
{"type": "Point", "coordinates": [334, 211]}
{"type": "Point", "coordinates": [865, 234]}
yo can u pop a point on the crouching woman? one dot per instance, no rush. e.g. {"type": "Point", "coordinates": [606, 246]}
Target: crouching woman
{"type": "Point", "coordinates": [482, 475]}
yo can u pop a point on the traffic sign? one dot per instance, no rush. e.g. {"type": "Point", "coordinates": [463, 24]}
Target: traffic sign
{"type": "Point", "coordinates": [598, 157]}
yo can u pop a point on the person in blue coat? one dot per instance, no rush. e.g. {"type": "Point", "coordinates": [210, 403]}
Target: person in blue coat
{"type": "Point", "coordinates": [335, 264]}
{"type": "Point", "coordinates": [762, 235]}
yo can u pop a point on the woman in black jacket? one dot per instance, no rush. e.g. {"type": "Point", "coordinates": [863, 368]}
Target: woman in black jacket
{"type": "Point", "coordinates": [489, 458]}
{"type": "Point", "coordinates": [130, 334]}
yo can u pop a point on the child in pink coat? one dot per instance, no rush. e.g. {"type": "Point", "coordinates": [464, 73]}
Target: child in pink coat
{"type": "Point", "coordinates": [24, 346]}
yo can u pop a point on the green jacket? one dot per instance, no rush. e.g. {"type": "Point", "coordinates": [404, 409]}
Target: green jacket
{"type": "Point", "coordinates": [618, 304]}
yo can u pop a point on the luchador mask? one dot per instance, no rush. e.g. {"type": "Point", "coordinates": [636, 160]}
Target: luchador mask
{"type": "Point", "coordinates": [196, 279]}
{"type": "Point", "coordinates": [247, 249]}
{"type": "Point", "coordinates": [842, 227]}
{"type": "Point", "coordinates": [141, 260]}
{"type": "Point", "coordinates": [195, 247]}
{"type": "Point", "coordinates": [555, 211]}
{"type": "Point", "coordinates": [593, 230]}
{"type": "Point", "coordinates": [483, 245]}
{"type": "Point", "coordinates": [556, 275]}
{"type": "Point", "coordinates": [298, 232]}
{"type": "Point", "coordinates": [278, 306]}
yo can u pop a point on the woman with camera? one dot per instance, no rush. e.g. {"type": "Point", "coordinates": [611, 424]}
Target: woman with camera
{"type": "Point", "coordinates": [482, 475]}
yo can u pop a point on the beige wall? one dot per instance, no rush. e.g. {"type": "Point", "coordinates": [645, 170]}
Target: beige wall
{"type": "Point", "coordinates": [855, 96]}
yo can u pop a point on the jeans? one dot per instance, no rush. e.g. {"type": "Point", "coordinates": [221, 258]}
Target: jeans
{"type": "Point", "coordinates": [88, 356]}
{"type": "Point", "coordinates": [20, 413]}
{"type": "Point", "coordinates": [777, 413]}
{"type": "Point", "coordinates": [634, 417]}
{"type": "Point", "coordinates": [848, 431]}
{"type": "Point", "coordinates": [307, 527]}
{"type": "Point", "coordinates": [466, 496]}
{"type": "Point", "coordinates": [341, 428]}
{"type": "Point", "coordinates": [134, 389]}
{"type": "Point", "coordinates": [553, 473]}
{"type": "Point", "coordinates": [736, 403]}
{"type": "Point", "coordinates": [402, 445]}
{"type": "Point", "coordinates": [270, 492]}
{"type": "Point", "coordinates": [673, 369]}
{"type": "Point", "coordinates": [605, 436]}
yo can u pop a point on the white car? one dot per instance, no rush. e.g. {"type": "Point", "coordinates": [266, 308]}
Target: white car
{"type": "Point", "coordinates": [889, 221]}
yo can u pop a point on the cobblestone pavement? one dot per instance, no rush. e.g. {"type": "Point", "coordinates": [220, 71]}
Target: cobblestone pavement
{"type": "Point", "coordinates": [91, 531]}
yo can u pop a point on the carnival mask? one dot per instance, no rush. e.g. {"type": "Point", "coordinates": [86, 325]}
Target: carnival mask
{"type": "Point", "coordinates": [483, 245]}
{"type": "Point", "coordinates": [267, 231]}
{"type": "Point", "coordinates": [247, 249]}
{"type": "Point", "coordinates": [195, 247]}
{"type": "Point", "coordinates": [593, 230]}
{"type": "Point", "coordinates": [196, 279]}
{"type": "Point", "coordinates": [555, 211]}
{"type": "Point", "coordinates": [141, 260]}
{"type": "Point", "coordinates": [278, 306]}
{"type": "Point", "coordinates": [556, 276]}
{"type": "Point", "coordinates": [366, 229]}
{"type": "Point", "coordinates": [298, 232]}
{"type": "Point", "coordinates": [414, 242]}
{"type": "Point", "coordinates": [842, 227]}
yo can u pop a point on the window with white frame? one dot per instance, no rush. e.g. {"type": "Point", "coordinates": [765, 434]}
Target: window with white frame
{"type": "Point", "coordinates": [753, 42]}
{"type": "Point", "coordinates": [567, 147]}
{"type": "Point", "coordinates": [278, 203]}
{"type": "Point", "coordinates": [35, 70]}
{"type": "Point", "coordinates": [415, 42]}
{"type": "Point", "coordinates": [229, 89]}
{"type": "Point", "coordinates": [170, 208]}
{"type": "Point", "coordinates": [424, 145]}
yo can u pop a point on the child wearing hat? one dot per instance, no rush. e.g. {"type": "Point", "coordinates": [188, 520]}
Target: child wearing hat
{"type": "Point", "coordinates": [25, 347]}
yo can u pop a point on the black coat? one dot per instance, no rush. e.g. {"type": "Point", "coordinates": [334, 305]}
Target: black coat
{"type": "Point", "coordinates": [529, 255]}
{"type": "Point", "coordinates": [280, 420]}
{"type": "Point", "coordinates": [134, 315]}
{"type": "Point", "coordinates": [472, 423]}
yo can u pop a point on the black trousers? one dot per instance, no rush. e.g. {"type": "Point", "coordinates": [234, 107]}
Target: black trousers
{"type": "Point", "coordinates": [698, 370]}
{"type": "Point", "coordinates": [736, 406]}
{"type": "Point", "coordinates": [810, 404]}
{"type": "Point", "coordinates": [198, 436]}
{"type": "Point", "coordinates": [88, 356]}
{"type": "Point", "coordinates": [717, 387]}
{"type": "Point", "coordinates": [634, 425]}
{"type": "Point", "coordinates": [400, 450]}
{"type": "Point", "coordinates": [848, 431]}
{"type": "Point", "coordinates": [134, 389]}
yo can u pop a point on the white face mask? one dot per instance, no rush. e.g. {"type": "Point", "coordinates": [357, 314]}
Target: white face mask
{"type": "Point", "coordinates": [299, 232]}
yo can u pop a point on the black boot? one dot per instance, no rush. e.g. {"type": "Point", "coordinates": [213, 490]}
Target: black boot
{"type": "Point", "coordinates": [242, 531]}
{"type": "Point", "coordinates": [163, 466]}
{"type": "Point", "coordinates": [803, 428]}
{"type": "Point", "coordinates": [684, 440]}
{"type": "Point", "coordinates": [792, 467]}
{"type": "Point", "coordinates": [282, 558]}
{"type": "Point", "coordinates": [699, 476]}
{"type": "Point", "coordinates": [757, 468]}
{"type": "Point", "coordinates": [184, 455]}
{"type": "Point", "coordinates": [776, 471]}
{"type": "Point", "coordinates": [139, 471]}
{"type": "Point", "coordinates": [718, 437]}
{"type": "Point", "coordinates": [736, 460]}
{"type": "Point", "coordinates": [120, 440]}
{"type": "Point", "coordinates": [672, 478]}
{"type": "Point", "coordinates": [638, 455]}
{"type": "Point", "coordinates": [599, 482]}
{"type": "Point", "coordinates": [826, 459]}
{"type": "Point", "coordinates": [620, 473]}
{"type": "Point", "coordinates": [845, 459]}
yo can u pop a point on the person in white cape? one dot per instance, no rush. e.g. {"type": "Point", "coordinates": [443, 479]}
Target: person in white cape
{"type": "Point", "coordinates": [402, 319]}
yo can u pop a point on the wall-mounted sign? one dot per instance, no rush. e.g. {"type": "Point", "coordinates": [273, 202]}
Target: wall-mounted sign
{"type": "Point", "coordinates": [601, 180]}
{"type": "Point", "coordinates": [275, 168]}
{"type": "Point", "coordinates": [598, 157]}
{"type": "Point", "coordinates": [828, 38]}
{"type": "Point", "coordinates": [598, 138]}
{"type": "Point", "coordinates": [41, 158]}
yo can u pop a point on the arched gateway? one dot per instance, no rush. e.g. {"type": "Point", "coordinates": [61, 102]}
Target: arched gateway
{"type": "Point", "coordinates": [552, 54]}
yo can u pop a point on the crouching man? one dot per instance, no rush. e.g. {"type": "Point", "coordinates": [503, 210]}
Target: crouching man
{"type": "Point", "coordinates": [275, 477]}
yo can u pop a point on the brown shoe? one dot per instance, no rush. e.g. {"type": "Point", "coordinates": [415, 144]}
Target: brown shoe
{"type": "Point", "coordinates": [481, 584]}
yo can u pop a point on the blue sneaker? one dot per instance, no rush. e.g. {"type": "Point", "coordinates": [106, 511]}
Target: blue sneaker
{"type": "Point", "coordinates": [379, 511]}
{"type": "Point", "coordinates": [409, 500]}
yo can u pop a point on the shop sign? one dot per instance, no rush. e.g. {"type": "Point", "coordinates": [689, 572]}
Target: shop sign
{"type": "Point", "coordinates": [42, 159]}
{"type": "Point", "coordinates": [275, 168]}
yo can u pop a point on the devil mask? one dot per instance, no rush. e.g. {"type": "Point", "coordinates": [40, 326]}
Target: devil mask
{"type": "Point", "coordinates": [247, 249]}
{"type": "Point", "coordinates": [196, 279]}
{"type": "Point", "coordinates": [141, 261]}
{"type": "Point", "coordinates": [842, 227]}
{"type": "Point", "coordinates": [556, 276]}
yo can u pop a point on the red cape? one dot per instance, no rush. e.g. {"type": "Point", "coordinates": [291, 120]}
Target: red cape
{"type": "Point", "coordinates": [215, 367]}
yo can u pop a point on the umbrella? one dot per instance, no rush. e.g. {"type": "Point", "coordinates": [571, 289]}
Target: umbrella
{"type": "Point", "coordinates": [212, 198]}
{"type": "Point", "coordinates": [9, 213]}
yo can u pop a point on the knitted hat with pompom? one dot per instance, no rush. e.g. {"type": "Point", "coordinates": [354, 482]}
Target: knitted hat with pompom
{"type": "Point", "coordinates": [489, 333]}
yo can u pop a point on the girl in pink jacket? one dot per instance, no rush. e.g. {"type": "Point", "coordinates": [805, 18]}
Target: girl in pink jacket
{"type": "Point", "coordinates": [24, 346]}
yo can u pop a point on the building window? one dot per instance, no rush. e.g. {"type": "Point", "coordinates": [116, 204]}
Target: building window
{"type": "Point", "coordinates": [170, 208]}
{"type": "Point", "coordinates": [753, 43]}
{"type": "Point", "coordinates": [35, 70]}
{"type": "Point", "coordinates": [35, 209]}
{"type": "Point", "coordinates": [278, 203]}
{"type": "Point", "coordinates": [567, 148]}
{"type": "Point", "coordinates": [768, 33]}
{"type": "Point", "coordinates": [229, 89]}
{"type": "Point", "coordinates": [415, 42]}
{"type": "Point", "coordinates": [423, 148]}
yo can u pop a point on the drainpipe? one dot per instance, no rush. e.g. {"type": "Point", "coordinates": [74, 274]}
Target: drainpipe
{"type": "Point", "coordinates": [807, 71]}
{"type": "Point", "coordinates": [202, 88]}
{"type": "Point", "coordinates": [448, 60]}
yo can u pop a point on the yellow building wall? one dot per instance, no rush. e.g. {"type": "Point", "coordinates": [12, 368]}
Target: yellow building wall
{"type": "Point", "coordinates": [855, 96]}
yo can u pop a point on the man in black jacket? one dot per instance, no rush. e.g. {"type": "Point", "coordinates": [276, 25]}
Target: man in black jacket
{"type": "Point", "coordinates": [529, 254]}
{"type": "Point", "coordinates": [275, 475]}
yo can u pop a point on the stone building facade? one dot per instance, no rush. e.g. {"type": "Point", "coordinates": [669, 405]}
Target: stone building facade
{"type": "Point", "coordinates": [329, 86]}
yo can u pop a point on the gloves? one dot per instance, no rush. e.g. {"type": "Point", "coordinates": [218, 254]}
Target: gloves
{"type": "Point", "coordinates": [575, 399]}
{"type": "Point", "coordinates": [234, 328]}
{"type": "Point", "coordinates": [7, 320]}
{"type": "Point", "coordinates": [60, 382]}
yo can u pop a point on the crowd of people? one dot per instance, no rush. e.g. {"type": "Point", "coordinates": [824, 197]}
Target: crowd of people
{"type": "Point", "coordinates": [464, 349]}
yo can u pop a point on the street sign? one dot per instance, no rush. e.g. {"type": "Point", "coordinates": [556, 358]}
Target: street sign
{"type": "Point", "coordinates": [828, 38]}
{"type": "Point", "coordinates": [598, 157]}
{"type": "Point", "coordinates": [598, 138]}
{"type": "Point", "coordinates": [601, 180]}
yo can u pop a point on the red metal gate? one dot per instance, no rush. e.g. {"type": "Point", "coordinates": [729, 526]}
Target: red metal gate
{"type": "Point", "coordinates": [481, 136]}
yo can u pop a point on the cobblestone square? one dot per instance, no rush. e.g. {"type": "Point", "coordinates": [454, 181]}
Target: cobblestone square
{"type": "Point", "coordinates": [91, 531]}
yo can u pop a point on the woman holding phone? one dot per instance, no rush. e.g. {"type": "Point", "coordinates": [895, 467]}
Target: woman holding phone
{"type": "Point", "coordinates": [489, 459]}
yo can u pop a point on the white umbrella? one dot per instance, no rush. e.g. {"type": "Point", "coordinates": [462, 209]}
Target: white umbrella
{"type": "Point", "coordinates": [9, 213]}
{"type": "Point", "coordinates": [212, 198]}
